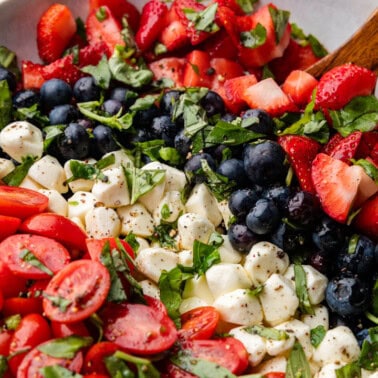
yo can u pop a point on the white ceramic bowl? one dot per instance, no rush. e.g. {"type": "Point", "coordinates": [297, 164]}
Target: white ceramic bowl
{"type": "Point", "coordinates": [331, 21]}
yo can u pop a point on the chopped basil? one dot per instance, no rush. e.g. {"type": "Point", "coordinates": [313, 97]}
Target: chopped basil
{"type": "Point", "coordinates": [247, 5]}
{"type": "Point", "coordinates": [297, 364]}
{"type": "Point", "coordinates": [51, 133]}
{"type": "Point", "coordinates": [150, 148]}
{"type": "Point", "coordinates": [280, 20]}
{"type": "Point", "coordinates": [164, 82]}
{"type": "Point", "coordinates": [101, 72]}
{"type": "Point", "coordinates": [131, 240]}
{"type": "Point", "coordinates": [60, 302]}
{"type": "Point", "coordinates": [352, 244]}
{"type": "Point", "coordinates": [5, 104]}
{"type": "Point", "coordinates": [33, 113]}
{"type": "Point", "coordinates": [369, 168]}
{"type": "Point", "coordinates": [8, 60]}
{"type": "Point", "coordinates": [15, 177]}
{"type": "Point", "coordinates": [12, 322]}
{"type": "Point", "coordinates": [165, 211]}
{"type": "Point", "coordinates": [170, 155]}
{"type": "Point", "coordinates": [267, 333]}
{"type": "Point", "coordinates": [101, 14]}
{"type": "Point", "coordinates": [203, 20]}
{"type": "Point", "coordinates": [164, 234]}
{"type": "Point", "coordinates": [253, 38]}
{"type": "Point", "coordinates": [144, 103]}
{"type": "Point", "coordinates": [368, 358]}
{"type": "Point", "coordinates": [317, 335]}
{"type": "Point", "coordinates": [127, 34]}
{"type": "Point", "coordinates": [297, 33]}
{"type": "Point", "coordinates": [57, 371]}
{"type": "Point", "coordinates": [361, 113]}
{"type": "Point", "coordinates": [302, 290]}
{"type": "Point", "coordinates": [351, 370]}
{"type": "Point", "coordinates": [105, 161]}
{"type": "Point", "coordinates": [3, 365]}
{"type": "Point", "coordinates": [80, 29]}
{"type": "Point", "coordinates": [204, 256]}
{"type": "Point", "coordinates": [65, 347]}
{"type": "Point", "coordinates": [117, 368]}
{"type": "Point", "coordinates": [256, 291]}
{"type": "Point", "coordinates": [29, 257]}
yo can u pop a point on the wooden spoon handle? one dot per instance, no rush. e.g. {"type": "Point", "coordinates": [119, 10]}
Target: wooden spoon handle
{"type": "Point", "coordinates": [361, 49]}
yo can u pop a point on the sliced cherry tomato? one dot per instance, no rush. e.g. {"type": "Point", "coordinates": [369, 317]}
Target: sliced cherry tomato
{"type": "Point", "coordinates": [22, 306]}
{"type": "Point", "coordinates": [33, 256]}
{"type": "Point", "coordinates": [10, 284]}
{"type": "Point", "coordinates": [173, 371]}
{"type": "Point", "coordinates": [32, 330]}
{"type": "Point", "coordinates": [77, 291]}
{"type": "Point", "coordinates": [69, 329]}
{"type": "Point", "coordinates": [94, 359]}
{"type": "Point", "coordinates": [5, 340]}
{"type": "Point", "coordinates": [199, 323]}
{"type": "Point", "coordinates": [57, 227]}
{"type": "Point", "coordinates": [275, 375]}
{"type": "Point", "coordinates": [152, 330]}
{"type": "Point", "coordinates": [8, 225]}
{"type": "Point", "coordinates": [21, 202]}
{"type": "Point", "coordinates": [36, 289]}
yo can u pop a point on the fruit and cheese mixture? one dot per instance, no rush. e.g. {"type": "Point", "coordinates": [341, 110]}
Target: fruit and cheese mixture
{"type": "Point", "coordinates": [180, 198]}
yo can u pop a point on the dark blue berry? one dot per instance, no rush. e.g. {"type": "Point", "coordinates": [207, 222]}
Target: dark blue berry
{"type": "Point", "coordinates": [63, 114]}
{"type": "Point", "coordinates": [86, 89]}
{"type": "Point", "coordinates": [111, 107]}
{"type": "Point", "coordinates": [289, 239]}
{"type": "Point", "coordinates": [258, 120]}
{"type": "Point", "coordinates": [213, 104]}
{"type": "Point", "coordinates": [241, 202]}
{"type": "Point", "coordinates": [104, 139]}
{"type": "Point", "coordinates": [73, 143]}
{"type": "Point", "coordinates": [241, 238]}
{"type": "Point", "coordinates": [263, 217]}
{"type": "Point", "coordinates": [144, 117]}
{"type": "Point", "coordinates": [162, 127]}
{"type": "Point", "coordinates": [9, 77]}
{"type": "Point", "coordinates": [169, 100]}
{"type": "Point", "coordinates": [303, 208]}
{"type": "Point", "coordinates": [329, 235]}
{"type": "Point", "coordinates": [55, 92]}
{"type": "Point", "coordinates": [233, 169]}
{"type": "Point", "coordinates": [228, 117]}
{"type": "Point", "coordinates": [194, 163]}
{"type": "Point", "coordinates": [321, 261]}
{"type": "Point", "coordinates": [280, 194]}
{"type": "Point", "coordinates": [182, 143]}
{"type": "Point", "coordinates": [25, 98]}
{"type": "Point", "coordinates": [124, 95]}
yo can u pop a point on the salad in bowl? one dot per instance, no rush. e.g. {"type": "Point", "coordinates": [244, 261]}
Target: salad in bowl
{"type": "Point", "coordinates": [180, 198]}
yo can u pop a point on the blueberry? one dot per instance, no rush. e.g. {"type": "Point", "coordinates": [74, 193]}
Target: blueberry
{"type": "Point", "coordinates": [63, 114]}
{"type": "Point", "coordinates": [169, 100]}
{"type": "Point", "coordinates": [141, 135]}
{"type": "Point", "coordinates": [111, 107]}
{"type": "Point", "coordinates": [104, 140]}
{"type": "Point", "coordinates": [280, 194]}
{"type": "Point", "coordinates": [163, 128]}
{"type": "Point", "coordinates": [9, 77]}
{"type": "Point", "coordinates": [213, 104]}
{"type": "Point", "coordinates": [194, 163]}
{"type": "Point", "coordinates": [241, 201]}
{"type": "Point", "coordinates": [258, 120]}
{"type": "Point", "coordinates": [228, 117]}
{"type": "Point", "coordinates": [73, 143]}
{"type": "Point", "coordinates": [182, 143]}
{"type": "Point", "coordinates": [303, 208]}
{"type": "Point", "coordinates": [241, 238]}
{"type": "Point", "coordinates": [264, 163]}
{"type": "Point", "coordinates": [25, 98]}
{"type": "Point", "coordinates": [321, 261]}
{"type": "Point", "coordinates": [124, 95]}
{"type": "Point", "coordinates": [263, 217]}
{"type": "Point", "coordinates": [86, 89]}
{"type": "Point", "coordinates": [329, 235]}
{"type": "Point", "coordinates": [55, 92]}
{"type": "Point", "coordinates": [347, 295]}
{"type": "Point", "coordinates": [289, 239]}
{"type": "Point", "coordinates": [233, 169]}
{"type": "Point", "coordinates": [144, 117]}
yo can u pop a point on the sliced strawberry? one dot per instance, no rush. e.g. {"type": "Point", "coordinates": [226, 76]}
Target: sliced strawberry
{"type": "Point", "coordinates": [338, 185]}
{"type": "Point", "coordinates": [169, 68]}
{"type": "Point", "coordinates": [374, 154]}
{"type": "Point", "coordinates": [55, 29]}
{"type": "Point", "coordinates": [332, 143]}
{"type": "Point", "coordinates": [198, 72]}
{"type": "Point", "coordinates": [31, 75]}
{"type": "Point", "coordinates": [152, 22]}
{"type": "Point", "coordinates": [63, 69]}
{"type": "Point", "coordinates": [220, 45]}
{"type": "Point", "coordinates": [92, 54]}
{"type": "Point", "coordinates": [228, 19]}
{"type": "Point", "coordinates": [224, 69]}
{"type": "Point", "coordinates": [174, 36]}
{"type": "Point", "coordinates": [299, 85]}
{"type": "Point", "coordinates": [234, 89]}
{"type": "Point", "coordinates": [101, 25]}
{"type": "Point", "coordinates": [120, 9]}
{"type": "Point", "coordinates": [301, 152]}
{"type": "Point", "coordinates": [267, 95]}
{"type": "Point", "coordinates": [367, 144]}
{"type": "Point", "coordinates": [342, 83]}
{"type": "Point", "coordinates": [366, 220]}
{"type": "Point", "coordinates": [346, 148]}
{"type": "Point", "coordinates": [232, 4]}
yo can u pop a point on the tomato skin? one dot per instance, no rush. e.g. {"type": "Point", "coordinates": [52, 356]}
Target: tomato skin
{"type": "Point", "coordinates": [69, 329]}
{"type": "Point", "coordinates": [275, 375]}
{"type": "Point", "coordinates": [21, 202]}
{"type": "Point", "coordinates": [10, 284]}
{"type": "Point", "coordinates": [8, 226]}
{"type": "Point", "coordinates": [32, 330]}
{"type": "Point", "coordinates": [5, 340]}
{"type": "Point", "coordinates": [56, 227]}
{"type": "Point", "coordinates": [22, 306]}
{"type": "Point", "coordinates": [48, 251]}
{"type": "Point", "coordinates": [94, 359]}
{"type": "Point", "coordinates": [199, 323]}
{"type": "Point", "coordinates": [84, 283]}
{"type": "Point", "coordinates": [152, 330]}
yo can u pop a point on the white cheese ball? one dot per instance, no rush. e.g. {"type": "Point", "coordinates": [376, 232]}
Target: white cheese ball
{"type": "Point", "coordinates": [227, 253]}
{"type": "Point", "coordinates": [276, 364]}
{"type": "Point", "coordinates": [198, 287]}
{"type": "Point", "coordinates": [84, 185]}
{"type": "Point", "coordinates": [121, 158]}
{"type": "Point", "coordinates": [57, 203]}
{"type": "Point", "coordinates": [79, 204]}
{"type": "Point", "coordinates": [29, 183]}
{"type": "Point", "coordinates": [319, 318]}
{"type": "Point", "coordinates": [226, 212]}
{"type": "Point", "coordinates": [150, 288]}
{"type": "Point", "coordinates": [191, 303]}
{"type": "Point", "coordinates": [6, 167]}
{"type": "Point", "coordinates": [20, 139]}
{"type": "Point", "coordinates": [169, 208]}
{"type": "Point", "coordinates": [102, 222]}
{"type": "Point", "coordinates": [263, 260]}
{"type": "Point", "coordinates": [328, 370]}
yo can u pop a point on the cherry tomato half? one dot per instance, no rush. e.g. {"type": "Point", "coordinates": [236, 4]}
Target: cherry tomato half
{"type": "Point", "coordinates": [199, 323]}
{"type": "Point", "coordinates": [76, 291]}
{"type": "Point", "coordinates": [94, 359]}
{"type": "Point", "coordinates": [275, 375]}
{"type": "Point", "coordinates": [57, 227]}
{"type": "Point", "coordinates": [21, 252]}
{"type": "Point", "coordinates": [69, 329]}
{"type": "Point", "coordinates": [138, 328]}
{"type": "Point", "coordinates": [21, 202]}
{"type": "Point", "coordinates": [22, 306]}
{"type": "Point", "coordinates": [8, 225]}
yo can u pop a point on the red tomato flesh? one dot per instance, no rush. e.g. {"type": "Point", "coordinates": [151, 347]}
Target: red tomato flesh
{"type": "Point", "coordinates": [8, 226]}
{"type": "Point", "coordinates": [94, 359]}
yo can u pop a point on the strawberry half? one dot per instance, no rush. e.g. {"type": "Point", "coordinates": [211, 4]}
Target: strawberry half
{"type": "Point", "coordinates": [341, 84]}
{"type": "Point", "coordinates": [340, 186]}
{"type": "Point", "coordinates": [198, 72]}
{"type": "Point", "coordinates": [301, 152]}
{"type": "Point", "coordinates": [346, 148]}
{"type": "Point", "coordinates": [55, 29]}
{"type": "Point", "coordinates": [169, 68]}
{"type": "Point", "coordinates": [366, 220]}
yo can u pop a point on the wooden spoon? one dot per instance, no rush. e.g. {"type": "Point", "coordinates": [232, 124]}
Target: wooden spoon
{"type": "Point", "coordinates": [361, 49]}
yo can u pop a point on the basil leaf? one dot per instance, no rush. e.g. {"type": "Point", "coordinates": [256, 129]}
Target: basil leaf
{"type": "Point", "coordinates": [51, 133]}
{"type": "Point", "coordinates": [117, 368]}
{"type": "Point", "coordinates": [301, 290]}
{"type": "Point", "coordinates": [101, 72]}
{"type": "Point", "coordinates": [132, 241]}
{"type": "Point", "coordinates": [8, 60]}
{"type": "Point", "coordinates": [29, 257]}
{"type": "Point", "coordinates": [318, 49]}
{"type": "Point", "coordinates": [256, 291]}
{"type": "Point", "coordinates": [171, 155]}
{"type": "Point", "coordinates": [351, 370]}
{"type": "Point", "coordinates": [15, 177]}
{"type": "Point", "coordinates": [144, 103]}
{"type": "Point", "coordinates": [254, 38]}
{"type": "Point", "coordinates": [297, 364]}
{"type": "Point", "coordinates": [164, 234]}
{"type": "Point", "coordinates": [3, 365]}
{"type": "Point", "coordinates": [317, 335]}
{"type": "Point", "coordinates": [369, 168]}
{"type": "Point", "coordinates": [204, 256]}
{"type": "Point", "coordinates": [89, 171]}
{"type": "Point", "coordinates": [304, 40]}
{"type": "Point", "coordinates": [374, 299]}
{"type": "Point", "coordinates": [65, 347]}
{"type": "Point", "coordinates": [150, 148]}
{"type": "Point", "coordinates": [57, 371]}
{"type": "Point", "coordinates": [203, 20]}
{"type": "Point", "coordinates": [247, 5]}
{"type": "Point", "coordinates": [361, 113]}
{"type": "Point", "coordinates": [60, 302]}
{"type": "Point", "coordinates": [5, 104]}
{"type": "Point", "coordinates": [267, 333]}
{"type": "Point", "coordinates": [80, 29]}
{"type": "Point", "coordinates": [12, 322]}
{"type": "Point", "coordinates": [280, 20]}
{"type": "Point", "coordinates": [368, 358]}
{"type": "Point", "coordinates": [165, 212]}
{"type": "Point", "coordinates": [32, 114]}
{"type": "Point", "coordinates": [194, 119]}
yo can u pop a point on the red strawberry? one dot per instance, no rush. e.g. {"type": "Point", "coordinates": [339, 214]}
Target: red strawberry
{"type": "Point", "coordinates": [31, 75]}
{"type": "Point", "coordinates": [299, 85]}
{"type": "Point", "coordinates": [152, 22]}
{"type": "Point", "coordinates": [174, 36]}
{"type": "Point", "coordinates": [119, 9]}
{"type": "Point", "coordinates": [198, 72]}
{"type": "Point", "coordinates": [224, 69]}
{"type": "Point", "coordinates": [301, 152]}
{"type": "Point", "coordinates": [340, 186]}
{"type": "Point", "coordinates": [232, 4]}
{"type": "Point", "coordinates": [346, 148]}
{"type": "Point", "coordinates": [368, 142]}
{"type": "Point", "coordinates": [220, 45]}
{"type": "Point", "coordinates": [92, 54]}
{"type": "Point", "coordinates": [332, 143]}
{"type": "Point", "coordinates": [374, 154]}
{"type": "Point", "coordinates": [55, 29]}
{"type": "Point", "coordinates": [169, 68]}
{"type": "Point", "coordinates": [342, 83]}
{"type": "Point", "coordinates": [366, 220]}
{"type": "Point", "coordinates": [102, 26]}
{"type": "Point", "coordinates": [267, 95]}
